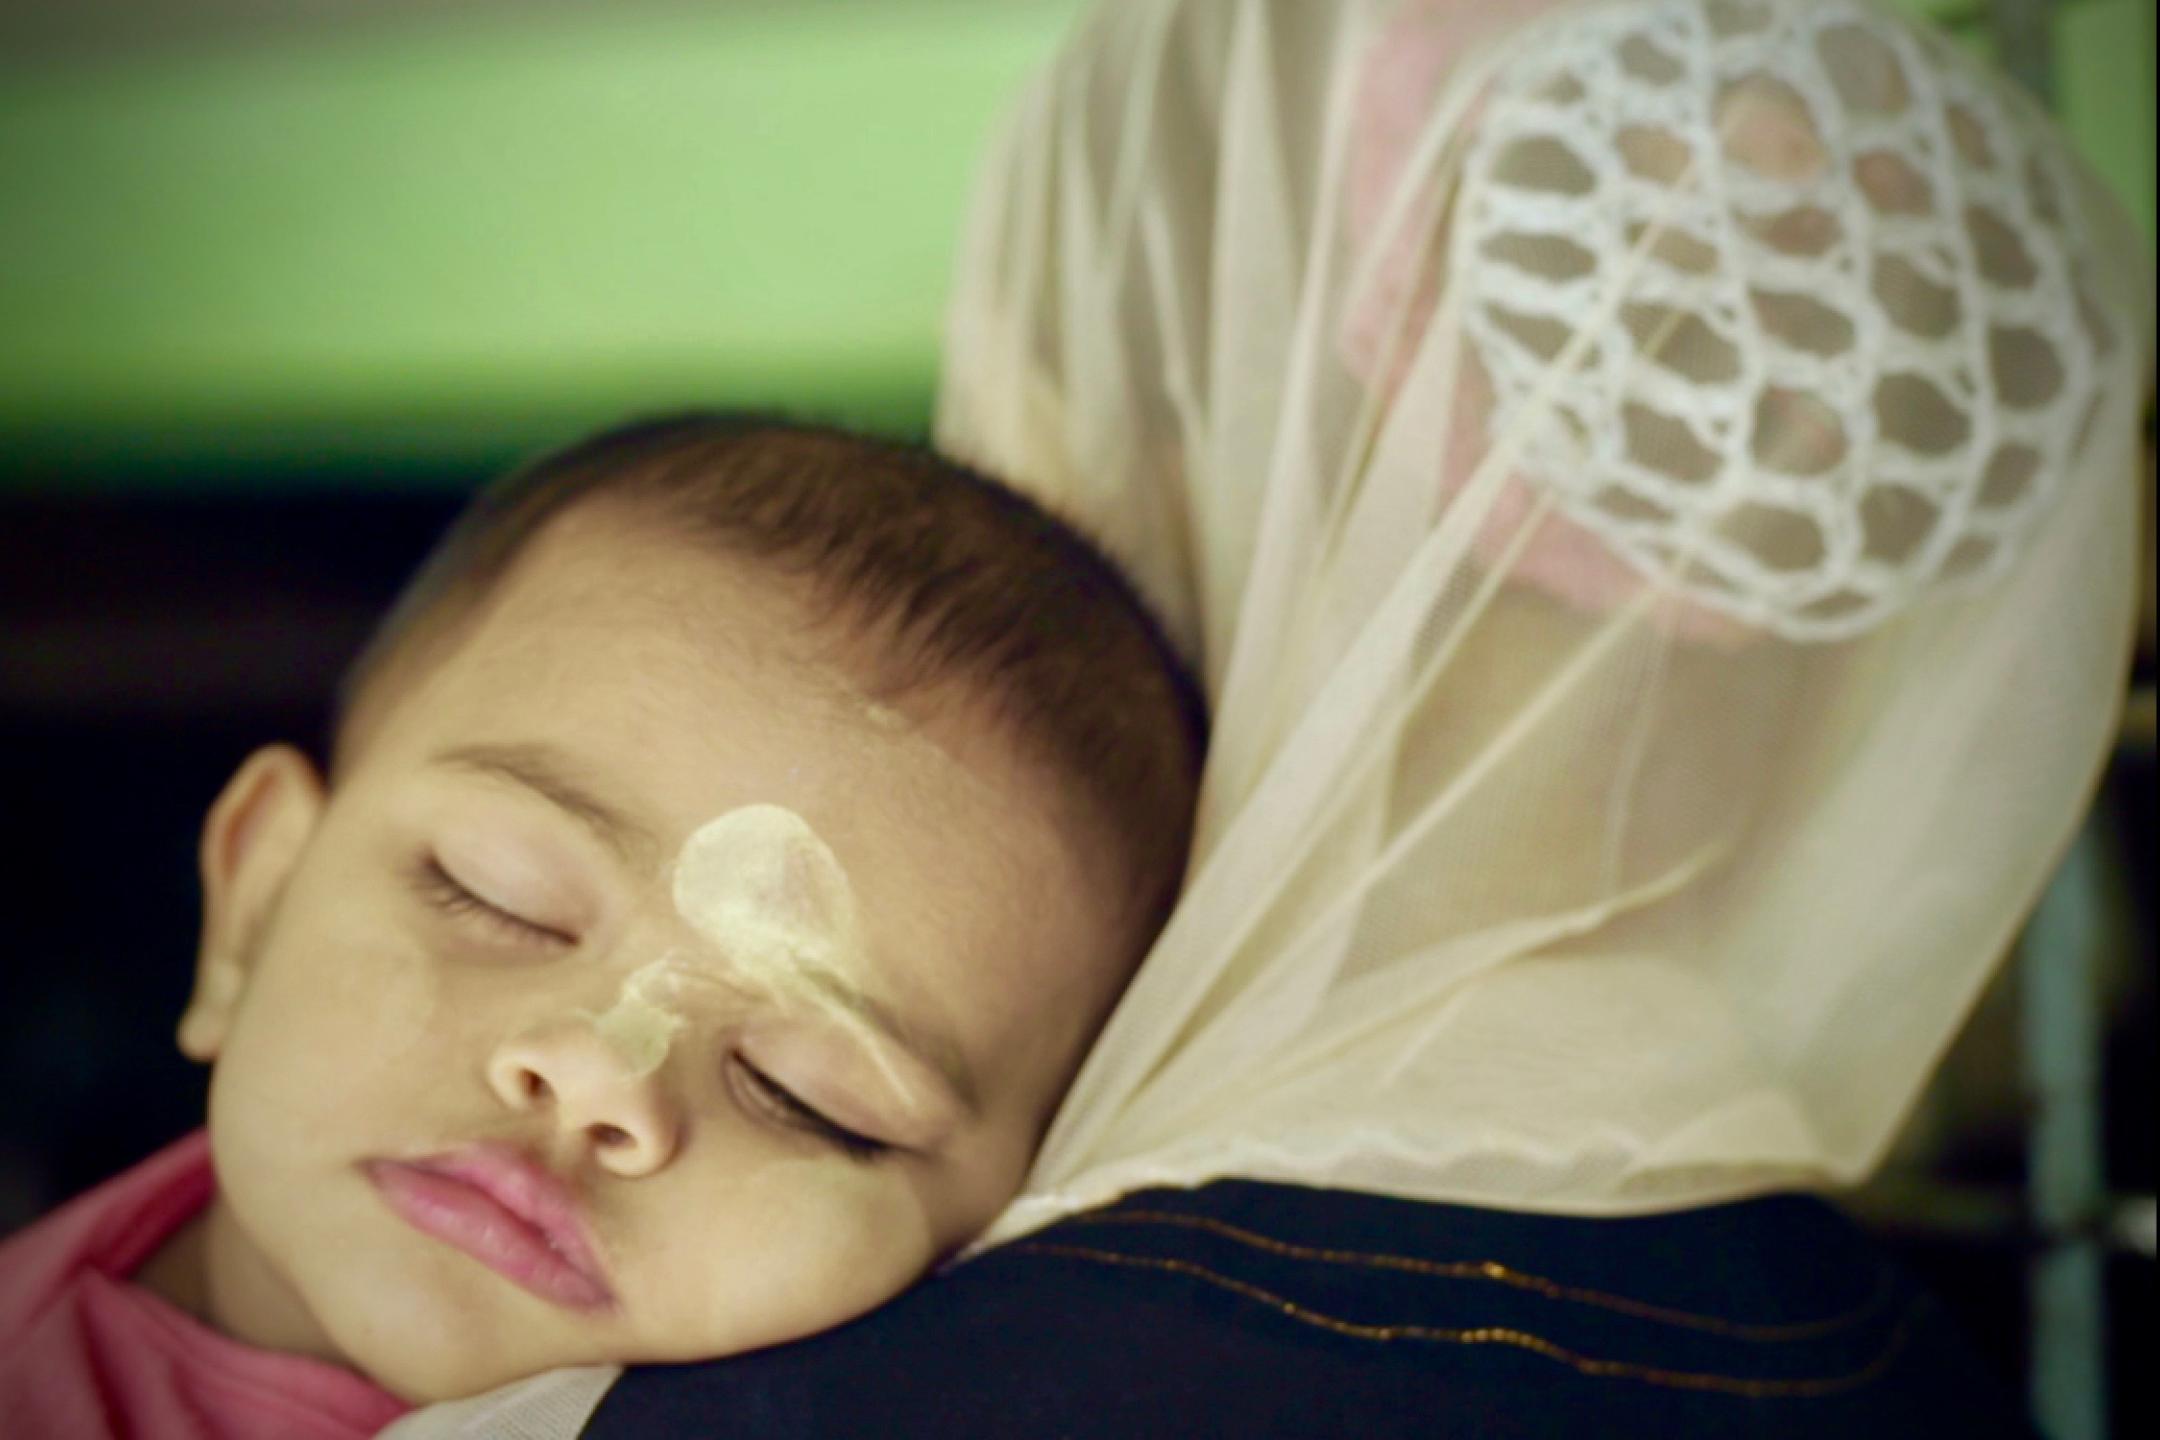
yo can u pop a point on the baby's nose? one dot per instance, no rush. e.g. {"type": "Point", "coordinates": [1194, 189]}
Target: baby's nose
{"type": "Point", "coordinates": [568, 1069]}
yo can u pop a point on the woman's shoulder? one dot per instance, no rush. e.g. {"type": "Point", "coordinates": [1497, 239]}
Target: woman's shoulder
{"type": "Point", "coordinates": [1257, 1309]}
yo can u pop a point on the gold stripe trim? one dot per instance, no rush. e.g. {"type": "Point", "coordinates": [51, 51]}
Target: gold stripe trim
{"type": "Point", "coordinates": [1499, 1274]}
{"type": "Point", "coordinates": [1590, 1365]}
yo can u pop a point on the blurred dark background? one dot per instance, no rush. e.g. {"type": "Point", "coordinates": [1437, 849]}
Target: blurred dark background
{"type": "Point", "coordinates": [281, 284]}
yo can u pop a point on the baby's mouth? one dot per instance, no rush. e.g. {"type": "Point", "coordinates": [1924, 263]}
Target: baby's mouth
{"type": "Point", "coordinates": [505, 1211]}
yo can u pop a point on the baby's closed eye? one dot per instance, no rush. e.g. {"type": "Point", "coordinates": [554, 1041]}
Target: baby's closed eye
{"type": "Point", "coordinates": [446, 893]}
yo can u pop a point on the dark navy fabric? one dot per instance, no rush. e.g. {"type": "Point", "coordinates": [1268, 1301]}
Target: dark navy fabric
{"type": "Point", "coordinates": [1245, 1309]}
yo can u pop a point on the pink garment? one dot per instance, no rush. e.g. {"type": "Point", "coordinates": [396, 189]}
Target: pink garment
{"type": "Point", "coordinates": [85, 1354]}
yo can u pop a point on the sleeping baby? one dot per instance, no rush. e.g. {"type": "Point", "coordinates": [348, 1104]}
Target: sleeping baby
{"type": "Point", "coordinates": [732, 841]}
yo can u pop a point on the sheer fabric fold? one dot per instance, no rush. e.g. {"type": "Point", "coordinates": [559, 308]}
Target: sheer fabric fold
{"type": "Point", "coordinates": [1651, 490]}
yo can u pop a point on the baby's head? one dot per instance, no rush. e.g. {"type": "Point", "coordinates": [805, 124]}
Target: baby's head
{"type": "Point", "coordinates": [747, 824]}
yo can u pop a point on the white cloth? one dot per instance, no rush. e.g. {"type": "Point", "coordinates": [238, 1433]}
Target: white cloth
{"type": "Point", "coordinates": [550, 1406]}
{"type": "Point", "coordinates": [1651, 490]}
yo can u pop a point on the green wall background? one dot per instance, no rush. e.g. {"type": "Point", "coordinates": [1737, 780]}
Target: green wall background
{"type": "Point", "coordinates": [393, 249]}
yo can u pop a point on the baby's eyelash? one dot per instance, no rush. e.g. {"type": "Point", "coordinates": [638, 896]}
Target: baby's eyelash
{"type": "Point", "coordinates": [790, 1110]}
{"type": "Point", "coordinates": [441, 890]}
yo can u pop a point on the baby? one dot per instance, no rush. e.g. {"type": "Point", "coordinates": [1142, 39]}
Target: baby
{"type": "Point", "coordinates": [732, 842]}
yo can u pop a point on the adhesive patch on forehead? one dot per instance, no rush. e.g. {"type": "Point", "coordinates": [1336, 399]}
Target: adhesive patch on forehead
{"type": "Point", "coordinates": [769, 895]}
{"type": "Point", "coordinates": [771, 899]}
{"type": "Point", "coordinates": [758, 883]}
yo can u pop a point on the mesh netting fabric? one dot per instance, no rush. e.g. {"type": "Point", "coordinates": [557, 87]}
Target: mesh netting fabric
{"type": "Point", "coordinates": [1650, 488]}
{"type": "Point", "coordinates": [1862, 345]}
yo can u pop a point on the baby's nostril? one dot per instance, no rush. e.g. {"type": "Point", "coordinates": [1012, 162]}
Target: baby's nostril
{"type": "Point", "coordinates": [610, 1137]}
{"type": "Point", "coordinates": [536, 1088]}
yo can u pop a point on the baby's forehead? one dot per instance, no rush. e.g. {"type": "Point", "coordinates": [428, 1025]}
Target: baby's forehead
{"type": "Point", "coordinates": [593, 619]}
{"type": "Point", "coordinates": [696, 681]}
{"type": "Point", "coordinates": [626, 572]}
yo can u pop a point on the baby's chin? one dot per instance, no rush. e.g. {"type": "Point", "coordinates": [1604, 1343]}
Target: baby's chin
{"type": "Point", "coordinates": [427, 1333]}
{"type": "Point", "coordinates": [427, 1349]}
{"type": "Point", "coordinates": [425, 1354]}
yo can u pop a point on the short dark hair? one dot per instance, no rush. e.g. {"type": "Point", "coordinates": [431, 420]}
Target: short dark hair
{"type": "Point", "coordinates": [966, 579]}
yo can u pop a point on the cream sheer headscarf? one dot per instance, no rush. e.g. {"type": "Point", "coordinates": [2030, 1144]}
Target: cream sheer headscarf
{"type": "Point", "coordinates": [1651, 491]}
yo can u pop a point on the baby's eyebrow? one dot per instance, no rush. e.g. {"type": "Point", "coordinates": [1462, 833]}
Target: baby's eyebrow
{"type": "Point", "coordinates": [544, 770]}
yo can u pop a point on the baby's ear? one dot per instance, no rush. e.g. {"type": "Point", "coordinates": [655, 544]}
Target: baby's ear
{"type": "Point", "coordinates": [251, 841]}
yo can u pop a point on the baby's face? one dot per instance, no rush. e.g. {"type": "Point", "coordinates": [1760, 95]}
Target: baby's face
{"type": "Point", "coordinates": [780, 1072]}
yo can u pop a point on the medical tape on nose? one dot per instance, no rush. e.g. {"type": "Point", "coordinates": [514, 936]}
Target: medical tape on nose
{"type": "Point", "coordinates": [641, 1025]}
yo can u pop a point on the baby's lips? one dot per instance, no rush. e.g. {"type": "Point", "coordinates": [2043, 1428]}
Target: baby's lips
{"type": "Point", "coordinates": [527, 1190]}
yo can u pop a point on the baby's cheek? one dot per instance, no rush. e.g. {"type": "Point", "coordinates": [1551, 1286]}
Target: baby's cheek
{"type": "Point", "coordinates": [387, 1016]}
{"type": "Point", "coordinates": [786, 1249]}
{"type": "Point", "coordinates": [326, 1004]}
